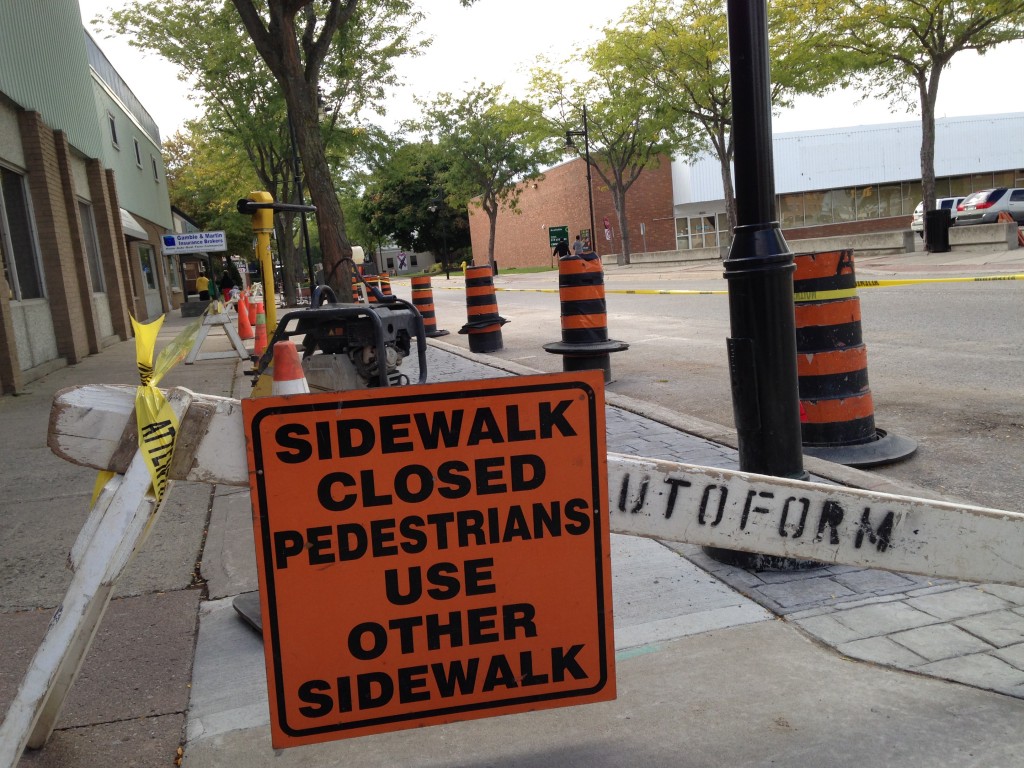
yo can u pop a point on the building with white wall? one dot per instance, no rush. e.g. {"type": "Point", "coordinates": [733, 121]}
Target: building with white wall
{"type": "Point", "coordinates": [83, 198]}
{"type": "Point", "coordinates": [856, 180]}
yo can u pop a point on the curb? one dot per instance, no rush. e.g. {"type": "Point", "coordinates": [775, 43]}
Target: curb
{"type": "Point", "coordinates": [716, 433]}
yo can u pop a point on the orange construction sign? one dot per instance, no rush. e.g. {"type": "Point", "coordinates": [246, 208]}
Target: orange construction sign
{"type": "Point", "coordinates": [431, 553]}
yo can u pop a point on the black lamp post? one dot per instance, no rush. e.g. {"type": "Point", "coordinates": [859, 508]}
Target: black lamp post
{"type": "Point", "coordinates": [436, 205]}
{"type": "Point", "coordinates": [585, 133]}
{"type": "Point", "coordinates": [759, 270]}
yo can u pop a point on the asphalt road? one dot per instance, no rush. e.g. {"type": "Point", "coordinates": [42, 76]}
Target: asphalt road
{"type": "Point", "coordinates": [945, 363]}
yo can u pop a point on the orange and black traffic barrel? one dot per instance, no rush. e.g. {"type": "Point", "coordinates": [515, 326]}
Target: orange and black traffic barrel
{"type": "Point", "coordinates": [385, 284]}
{"type": "Point", "coordinates": [585, 344]}
{"type": "Point", "coordinates": [837, 410]}
{"type": "Point", "coordinates": [356, 296]}
{"type": "Point", "coordinates": [423, 300]}
{"type": "Point", "coordinates": [483, 324]}
{"type": "Point", "coordinates": [372, 281]}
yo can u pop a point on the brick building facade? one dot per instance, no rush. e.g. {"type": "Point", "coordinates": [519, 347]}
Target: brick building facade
{"type": "Point", "coordinates": [560, 199]}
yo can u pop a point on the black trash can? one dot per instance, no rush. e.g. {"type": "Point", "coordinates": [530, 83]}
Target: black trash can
{"type": "Point", "coordinates": [936, 230]}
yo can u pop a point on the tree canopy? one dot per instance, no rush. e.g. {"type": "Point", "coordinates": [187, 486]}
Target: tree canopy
{"type": "Point", "coordinates": [681, 49]}
{"type": "Point", "coordinates": [626, 122]}
{"type": "Point", "coordinates": [491, 146]}
{"type": "Point", "coordinates": [903, 46]}
{"type": "Point", "coordinates": [323, 63]}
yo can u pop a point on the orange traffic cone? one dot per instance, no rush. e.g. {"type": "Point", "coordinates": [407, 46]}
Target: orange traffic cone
{"type": "Point", "coordinates": [252, 312]}
{"type": "Point", "coordinates": [245, 330]}
{"type": "Point", "coordinates": [288, 376]}
{"type": "Point", "coordinates": [260, 345]}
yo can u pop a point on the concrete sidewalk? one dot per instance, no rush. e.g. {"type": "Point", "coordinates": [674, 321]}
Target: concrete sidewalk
{"type": "Point", "coordinates": [707, 673]}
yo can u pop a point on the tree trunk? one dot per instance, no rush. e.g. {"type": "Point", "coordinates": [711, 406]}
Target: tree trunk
{"type": "Point", "coordinates": [334, 245]}
{"type": "Point", "coordinates": [492, 217]}
{"type": "Point", "coordinates": [619, 199]}
{"type": "Point", "coordinates": [725, 166]}
{"type": "Point", "coordinates": [284, 228]}
{"type": "Point", "coordinates": [928, 91]}
{"type": "Point", "coordinates": [278, 44]}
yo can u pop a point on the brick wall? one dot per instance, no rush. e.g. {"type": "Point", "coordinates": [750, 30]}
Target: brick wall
{"type": "Point", "coordinates": [560, 199]}
{"type": "Point", "coordinates": [55, 236]}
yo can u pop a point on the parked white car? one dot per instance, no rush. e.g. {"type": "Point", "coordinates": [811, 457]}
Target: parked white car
{"type": "Point", "coordinates": [917, 224]}
{"type": "Point", "coordinates": [985, 206]}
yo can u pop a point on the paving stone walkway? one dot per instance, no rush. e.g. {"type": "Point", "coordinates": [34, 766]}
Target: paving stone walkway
{"type": "Point", "coordinates": [969, 633]}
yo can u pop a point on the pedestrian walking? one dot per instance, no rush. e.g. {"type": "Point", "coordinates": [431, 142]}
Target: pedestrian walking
{"type": "Point", "coordinates": [561, 249]}
{"type": "Point", "coordinates": [226, 283]}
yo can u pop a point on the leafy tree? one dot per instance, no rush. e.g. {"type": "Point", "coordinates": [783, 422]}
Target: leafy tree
{"type": "Point", "coordinates": [326, 61]}
{"type": "Point", "coordinates": [490, 146]}
{"type": "Point", "coordinates": [243, 105]}
{"type": "Point", "coordinates": [628, 126]}
{"type": "Point", "coordinates": [295, 39]}
{"type": "Point", "coordinates": [681, 49]}
{"type": "Point", "coordinates": [405, 186]}
{"type": "Point", "coordinates": [203, 174]}
{"type": "Point", "coordinates": [903, 46]}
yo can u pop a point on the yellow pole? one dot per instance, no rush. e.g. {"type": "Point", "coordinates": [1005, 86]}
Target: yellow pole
{"type": "Point", "coordinates": [263, 226]}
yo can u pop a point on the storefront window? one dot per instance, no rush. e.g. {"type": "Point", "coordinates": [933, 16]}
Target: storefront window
{"type": "Point", "coordinates": [791, 210]}
{"type": "Point", "coordinates": [843, 206]}
{"type": "Point", "coordinates": [683, 234]}
{"type": "Point", "coordinates": [1004, 179]}
{"type": "Point", "coordinates": [22, 268]}
{"type": "Point", "coordinates": [959, 186]}
{"type": "Point", "coordinates": [148, 265]}
{"type": "Point", "coordinates": [92, 247]}
{"type": "Point", "coordinates": [890, 202]}
{"type": "Point", "coordinates": [866, 202]}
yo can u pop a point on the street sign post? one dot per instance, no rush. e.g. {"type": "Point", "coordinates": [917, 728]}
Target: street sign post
{"type": "Point", "coordinates": [431, 554]}
{"type": "Point", "coordinates": [194, 242]}
{"type": "Point", "coordinates": [557, 233]}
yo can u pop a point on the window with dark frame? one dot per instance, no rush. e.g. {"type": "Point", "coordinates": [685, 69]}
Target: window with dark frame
{"type": "Point", "coordinates": [16, 234]}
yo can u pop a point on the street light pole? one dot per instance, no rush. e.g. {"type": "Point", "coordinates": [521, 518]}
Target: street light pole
{"type": "Point", "coordinates": [759, 271]}
{"type": "Point", "coordinates": [585, 133]}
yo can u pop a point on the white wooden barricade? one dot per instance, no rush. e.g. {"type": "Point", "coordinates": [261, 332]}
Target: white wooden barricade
{"type": "Point", "coordinates": [217, 320]}
{"type": "Point", "coordinates": [93, 426]}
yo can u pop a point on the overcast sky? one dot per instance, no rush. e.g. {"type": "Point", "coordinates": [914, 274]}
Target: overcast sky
{"type": "Point", "coordinates": [495, 41]}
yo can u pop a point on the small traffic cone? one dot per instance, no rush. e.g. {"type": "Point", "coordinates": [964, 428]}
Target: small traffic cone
{"type": "Point", "coordinates": [260, 345]}
{"type": "Point", "coordinates": [252, 311]}
{"type": "Point", "coordinates": [288, 376]}
{"type": "Point", "coordinates": [245, 330]}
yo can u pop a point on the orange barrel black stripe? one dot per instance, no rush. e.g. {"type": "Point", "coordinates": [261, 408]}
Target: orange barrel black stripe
{"type": "Point", "coordinates": [423, 300]}
{"type": "Point", "coordinates": [356, 297]}
{"type": "Point", "coordinates": [831, 357]}
{"type": "Point", "coordinates": [483, 324]}
{"type": "Point", "coordinates": [372, 281]}
{"type": "Point", "coordinates": [585, 344]}
{"type": "Point", "coordinates": [385, 284]}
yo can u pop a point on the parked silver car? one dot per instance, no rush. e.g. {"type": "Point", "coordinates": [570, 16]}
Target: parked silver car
{"type": "Point", "coordinates": [917, 223]}
{"type": "Point", "coordinates": [985, 206]}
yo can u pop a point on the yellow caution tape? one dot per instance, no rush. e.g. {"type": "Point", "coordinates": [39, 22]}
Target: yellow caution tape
{"type": "Point", "coordinates": [888, 283]}
{"type": "Point", "coordinates": [843, 293]}
{"type": "Point", "coordinates": [803, 296]}
{"type": "Point", "coordinates": [157, 423]}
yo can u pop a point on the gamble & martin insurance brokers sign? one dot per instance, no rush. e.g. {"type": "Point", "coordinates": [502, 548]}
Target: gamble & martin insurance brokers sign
{"type": "Point", "coordinates": [194, 242]}
{"type": "Point", "coordinates": [431, 553]}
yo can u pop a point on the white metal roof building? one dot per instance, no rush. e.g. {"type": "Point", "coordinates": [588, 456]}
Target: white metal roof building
{"type": "Point", "coordinates": [859, 178]}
